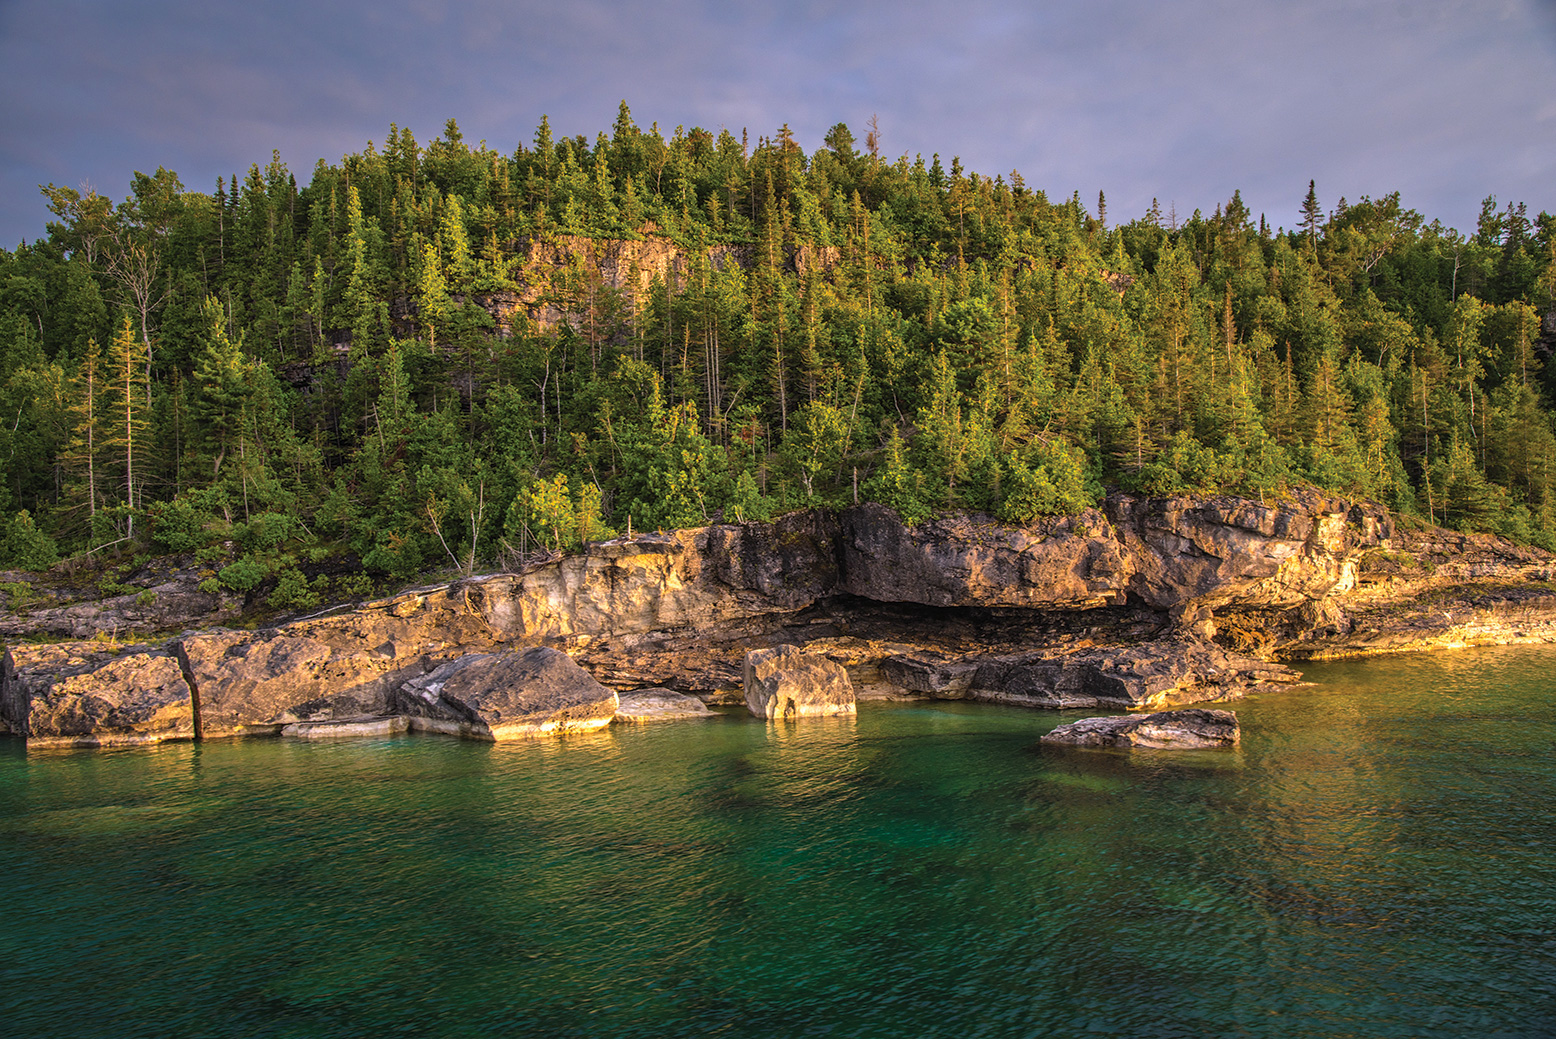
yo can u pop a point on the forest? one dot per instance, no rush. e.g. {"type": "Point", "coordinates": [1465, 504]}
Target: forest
{"type": "Point", "coordinates": [445, 357]}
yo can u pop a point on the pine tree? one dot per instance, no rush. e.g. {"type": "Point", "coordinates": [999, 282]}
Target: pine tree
{"type": "Point", "coordinates": [86, 428]}
{"type": "Point", "coordinates": [125, 395]}
{"type": "Point", "coordinates": [1312, 216]}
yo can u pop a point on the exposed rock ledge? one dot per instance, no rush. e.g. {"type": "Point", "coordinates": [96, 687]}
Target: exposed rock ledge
{"type": "Point", "coordinates": [1140, 604]}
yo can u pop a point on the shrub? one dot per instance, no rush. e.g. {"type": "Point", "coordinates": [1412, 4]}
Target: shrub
{"type": "Point", "coordinates": [244, 575]}
{"type": "Point", "coordinates": [293, 591]}
{"type": "Point", "coordinates": [178, 526]}
{"type": "Point", "coordinates": [23, 545]}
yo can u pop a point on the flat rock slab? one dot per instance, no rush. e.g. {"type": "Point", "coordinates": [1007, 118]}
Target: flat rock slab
{"type": "Point", "coordinates": [785, 682]}
{"type": "Point", "coordinates": [512, 695]}
{"type": "Point", "coordinates": [1193, 728]}
{"type": "Point", "coordinates": [652, 705]}
{"type": "Point", "coordinates": [86, 694]}
{"type": "Point", "coordinates": [348, 728]}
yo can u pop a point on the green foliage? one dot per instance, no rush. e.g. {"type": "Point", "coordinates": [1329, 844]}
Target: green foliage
{"type": "Point", "coordinates": [24, 546]}
{"type": "Point", "coordinates": [355, 586]}
{"type": "Point", "coordinates": [180, 525]}
{"type": "Point", "coordinates": [293, 591]}
{"type": "Point", "coordinates": [339, 366]}
{"type": "Point", "coordinates": [245, 575]}
{"type": "Point", "coordinates": [18, 595]}
{"type": "Point", "coordinates": [556, 519]}
{"type": "Point", "coordinates": [747, 502]}
{"type": "Point", "coordinates": [898, 486]}
{"type": "Point", "coordinates": [1049, 481]}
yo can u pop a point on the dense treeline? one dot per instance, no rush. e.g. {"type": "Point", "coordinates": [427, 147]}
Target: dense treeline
{"type": "Point", "coordinates": [416, 359]}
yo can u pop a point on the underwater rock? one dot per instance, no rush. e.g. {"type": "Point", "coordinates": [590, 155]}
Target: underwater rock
{"type": "Point", "coordinates": [1193, 728]}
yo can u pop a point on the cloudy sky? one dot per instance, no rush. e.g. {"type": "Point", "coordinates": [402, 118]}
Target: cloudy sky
{"type": "Point", "coordinates": [1446, 101]}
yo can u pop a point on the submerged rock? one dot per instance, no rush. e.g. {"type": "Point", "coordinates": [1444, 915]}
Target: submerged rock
{"type": "Point", "coordinates": [652, 705]}
{"type": "Point", "coordinates": [510, 695]}
{"type": "Point", "coordinates": [87, 694]}
{"type": "Point", "coordinates": [784, 682]}
{"type": "Point", "coordinates": [1193, 728]}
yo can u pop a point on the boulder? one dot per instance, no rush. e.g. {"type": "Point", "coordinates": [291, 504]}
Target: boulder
{"type": "Point", "coordinates": [508, 695]}
{"type": "Point", "coordinates": [931, 675]}
{"type": "Point", "coordinates": [88, 694]}
{"type": "Point", "coordinates": [652, 705]}
{"type": "Point", "coordinates": [256, 683]}
{"type": "Point", "coordinates": [785, 682]}
{"type": "Point", "coordinates": [1193, 728]}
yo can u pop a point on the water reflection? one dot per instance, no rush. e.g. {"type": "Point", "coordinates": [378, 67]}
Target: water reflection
{"type": "Point", "coordinates": [1373, 861]}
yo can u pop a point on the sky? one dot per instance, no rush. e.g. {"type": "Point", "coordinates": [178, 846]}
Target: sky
{"type": "Point", "coordinates": [1185, 101]}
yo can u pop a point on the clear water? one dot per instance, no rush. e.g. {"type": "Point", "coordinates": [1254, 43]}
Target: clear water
{"type": "Point", "coordinates": [1376, 860]}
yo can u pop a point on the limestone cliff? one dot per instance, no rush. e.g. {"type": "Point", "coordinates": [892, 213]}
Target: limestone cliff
{"type": "Point", "coordinates": [1115, 606]}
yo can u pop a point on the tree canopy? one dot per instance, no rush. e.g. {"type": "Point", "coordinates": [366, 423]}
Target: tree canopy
{"type": "Point", "coordinates": [431, 355]}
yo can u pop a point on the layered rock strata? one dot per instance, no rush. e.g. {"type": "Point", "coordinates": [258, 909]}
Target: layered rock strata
{"type": "Point", "coordinates": [1142, 603]}
{"type": "Point", "coordinates": [1147, 676]}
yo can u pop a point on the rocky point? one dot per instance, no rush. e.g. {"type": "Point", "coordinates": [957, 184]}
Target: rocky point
{"type": "Point", "coordinates": [1138, 604]}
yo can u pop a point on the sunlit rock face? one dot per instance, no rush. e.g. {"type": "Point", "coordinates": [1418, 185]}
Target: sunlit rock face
{"type": "Point", "coordinates": [785, 683]}
{"type": "Point", "coordinates": [255, 683]}
{"type": "Point", "coordinates": [1140, 603]}
{"type": "Point", "coordinates": [89, 694]}
{"type": "Point", "coordinates": [1194, 728]}
{"type": "Point", "coordinates": [508, 695]}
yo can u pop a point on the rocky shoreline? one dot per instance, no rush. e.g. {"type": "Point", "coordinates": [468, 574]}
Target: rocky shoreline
{"type": "Point", "coordinates": [1141, 604]}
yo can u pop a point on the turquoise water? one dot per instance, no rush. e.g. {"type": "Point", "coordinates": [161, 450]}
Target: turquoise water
{"type": "Point", "coordinates": [1376, 860]}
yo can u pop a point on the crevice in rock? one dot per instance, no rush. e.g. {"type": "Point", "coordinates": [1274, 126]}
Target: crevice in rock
{"type": "Point", "coordinates": [194, 688]}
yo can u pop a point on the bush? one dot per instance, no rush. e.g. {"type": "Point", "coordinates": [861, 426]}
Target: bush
{"type": "Point", "coordinates": [1050, 481]}
{"type": "Point", "coordinates": [293, 591]}
{"type": "Point", "coordinates": [244, 575]}
{"type": "Point", "coordinates": [24, 546]}
{"type": "Point", "coordinates": [265, 530]}
{"type": "Point", "coordinates": [355, 586]}
{"type": "Point", "coordinates": [178, 526]}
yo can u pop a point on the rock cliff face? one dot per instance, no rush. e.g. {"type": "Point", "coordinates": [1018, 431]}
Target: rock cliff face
{"type": "Point", "coordinates": [77, 694]}
{"type": "Point", "coordinates": [1423, 589]}
{"type": "Point", "coordinates": [163, 605]}
{"type": "Point", "coordinates": [1139, 604]}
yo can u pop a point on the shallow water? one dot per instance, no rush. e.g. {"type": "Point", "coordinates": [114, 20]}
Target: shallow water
{"type": "Point", "coordinates": [1374, 861]}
